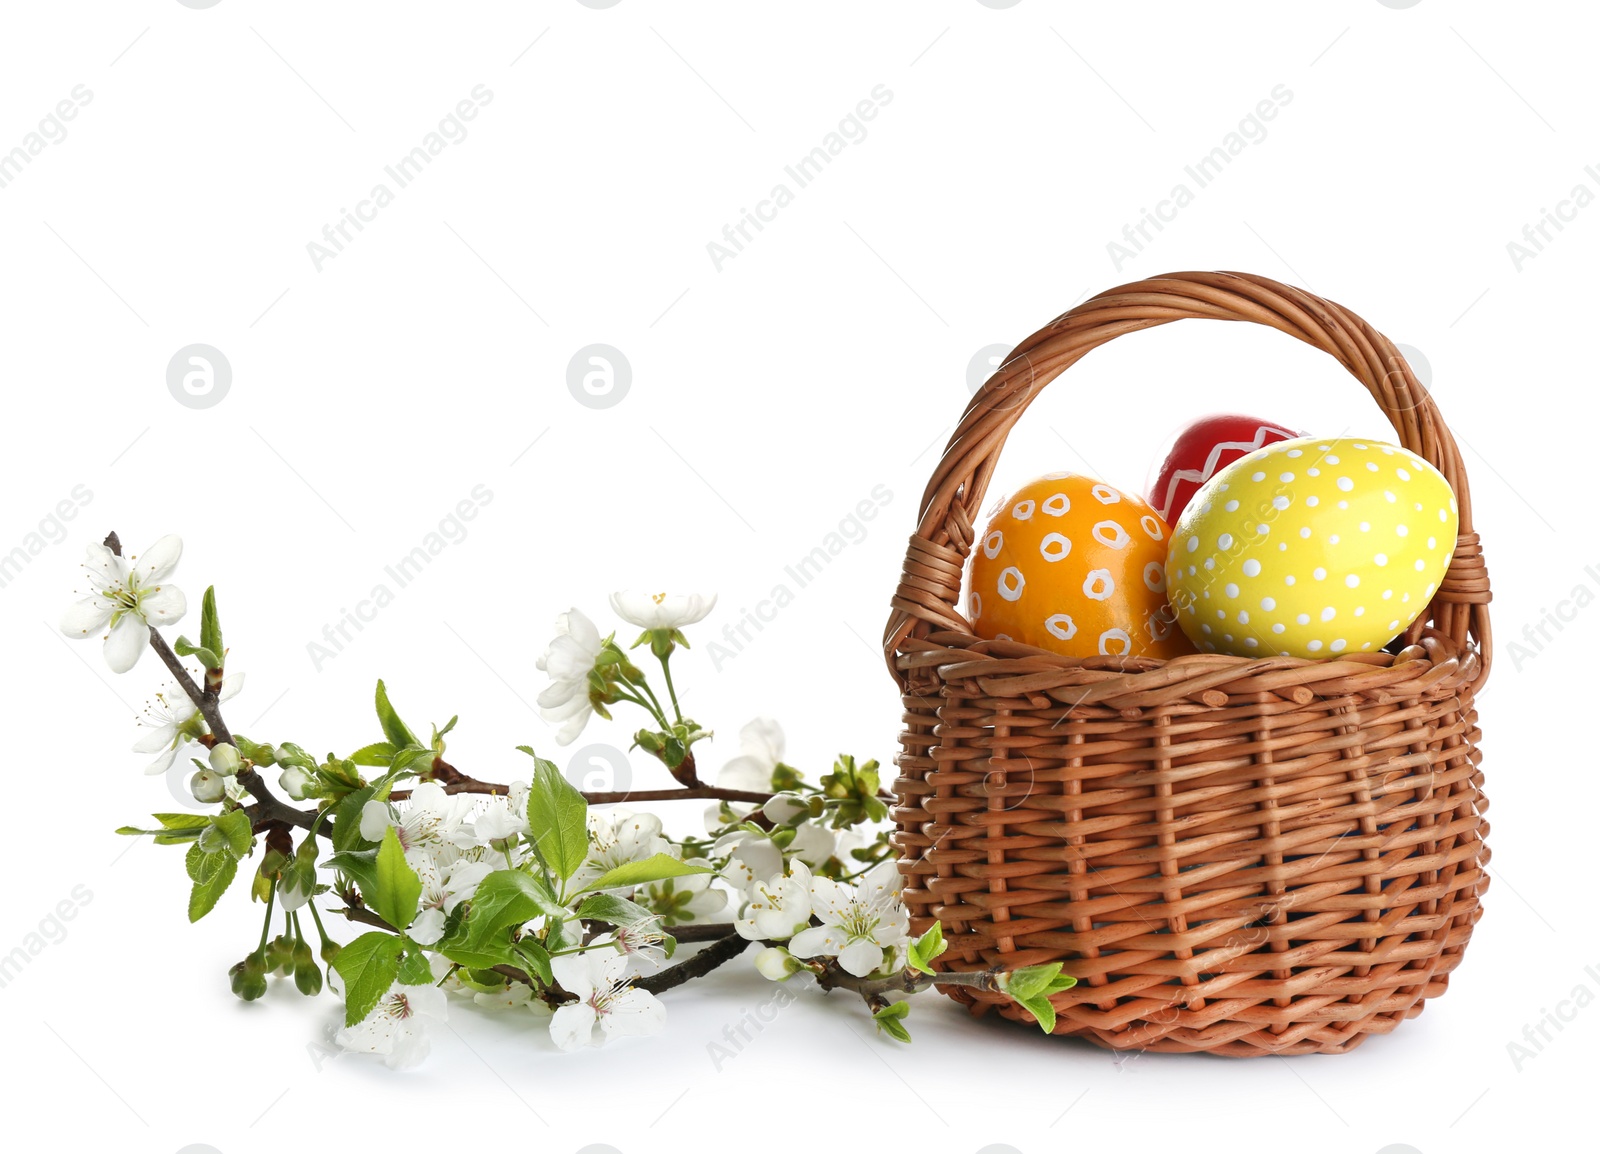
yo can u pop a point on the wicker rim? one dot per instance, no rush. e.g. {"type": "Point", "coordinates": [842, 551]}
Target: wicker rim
{"type": "Point", "coordinates": [926, 601]}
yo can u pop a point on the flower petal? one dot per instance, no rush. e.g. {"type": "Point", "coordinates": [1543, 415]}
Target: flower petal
{"type": "Point", "coordinates": [231, 685]}
{"type": "Point", "coordinates": [570, 731]}
{"type": "Point", "coordinates": [410, 1048]}
{"type": "Point", "coordinates": [426, 1001]}
{"type": "Point", "coordinates": [126, 642]}
{"type": "Point", "coordinates": [637, 1013]}
{"type": "Point", "coordinates": [763, 737]}
{"type": "Point", "coordinates": [157, 562]}
{"type": "Point", "coordinates": [428, 927]}
{"type": "Point", "coordinates": [163, 605]}
{"type": "Point", "coordinates": [574, 973]}
{"type": "Point", "coordinates": [374, 820]}
{"type": "Point", "coordinates": [746, 772]}
{"type": "Point", "coordinates": [156, 739]}
{"type": "Point", "coordinates": [572, 1026]}
{"type": "Point", "coordinates": [861, 957]}
{"type": "Point", "coordinates": [815, 940]}
{"type": "Point", "coordinates": [162, 763]}
{"type": "Point", "coordinates": [85, 617]}
{"type": "Point", "coordinates": [104, 566]}
{"type": "Point", "coordinates": [830, 898]}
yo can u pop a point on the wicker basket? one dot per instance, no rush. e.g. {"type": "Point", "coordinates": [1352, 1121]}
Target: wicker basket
{"type": "Point", "coordinates": [1232, 855]}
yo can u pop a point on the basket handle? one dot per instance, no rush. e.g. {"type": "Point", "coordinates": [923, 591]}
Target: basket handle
{"type": "Point", "coordinates": [930, 583]}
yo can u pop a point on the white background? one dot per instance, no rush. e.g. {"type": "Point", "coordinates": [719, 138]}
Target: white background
{"type": "Point", "coordinates": [768, 398]}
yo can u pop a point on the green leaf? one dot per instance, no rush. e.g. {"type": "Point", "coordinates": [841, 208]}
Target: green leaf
{"type": "Point", "coordinates": [211, 627]}
{"type": "Point", "coordinates": [534, 958]}
{"type": "Point", "coordinates": [395, 885]}
{"type": "Point", "coordinates": [407, 757]}
{"type": "Point", "coordinates": [393, 728]}
{"type": "Point", "coordinates": [202, 866]}
{"type": "Point", "coordinates": [1036, 981]}
{"type": "Point", "coordinates": [176, 828]}
{"type": "Point", "coordinates": [891, 1020]}
{"type": "Point", "coordinates": [922, 951]}
{"type": "Point", "coordinates": [613, 910]}
{"type": "Point", "coordinates": [558, 819]}
{"type": "Point", "coordinates": [378, 753]}
{"type": "Point", "coordinates": [414, 968]}
{"type": "Point", "coordinates": [183, 647]}
{"type": "Point", "coordinates": [360, 864]}
{"type": "Point", "coordinates": [182, 820]}
{"type": "Point", "coordinates": [651, 869]}
{"type": "Point", "coordinates": [369, 966]}
{"type": "Point", "coordinates": [1041, 1009]}
{"type": "Point", "coordinates": [347, 820]}
{"type": "Point", "coordinates": [507, 898]}
{"type": "Point", "coordinates": [484, 958]}
{"type": "Point", "coordinates": [235, 826]}
{"type": "Point", "coordinates": [212, 885]}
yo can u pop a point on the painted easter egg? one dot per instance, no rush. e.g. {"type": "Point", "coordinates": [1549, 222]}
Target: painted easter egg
{"type": "Point", "coordinates": [1311, 548]}
{"type": "Point", "coordinates": [1199, 450]}
{"type": "Point", "coordinates": [1073, 565]}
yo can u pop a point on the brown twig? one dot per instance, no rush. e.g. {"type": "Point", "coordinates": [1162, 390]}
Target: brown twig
{"type": "Point", "coordinates": [700, 931]}
{"type": "Point", "coordinates": [722, 950]}
{"type": "Point", "coordinates": [268, 808]}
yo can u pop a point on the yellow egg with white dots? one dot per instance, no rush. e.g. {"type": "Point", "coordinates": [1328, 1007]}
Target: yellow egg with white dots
{"type": "Point", "coordinates": [1314, 547]}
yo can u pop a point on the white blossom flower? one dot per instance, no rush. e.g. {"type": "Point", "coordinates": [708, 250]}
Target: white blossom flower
{"type": "Point", "coordinates": [859, 922]}
{"type": "Point", "coordinates": [504, 818]}
{"type": "Point", "coordinates": [605, 997]}
{"type": "Point", "coordinates": [395, 1027]}
{"type": "Point", "coordinates": [617, 837]}
{"type": "Point", "coordinates": [778, 908]}
{"type": "Point", "coordinates": [444, 887]}
{"type": "Point", "coordinates": [432, 824]}
{"type": "Point", "coordinates": [568, 660]}
{"type": "Point", "coordinates": [174, 722]}
{"type": "Point", "coordinates": [662, 610]}
{"type": "Point", "coordinates": [760, 751]}
{"type": "Point", "coordinates": [129, 597]}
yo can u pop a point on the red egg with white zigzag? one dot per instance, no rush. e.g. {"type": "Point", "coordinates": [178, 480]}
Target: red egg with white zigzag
{"type": "Point", "coordinates": [1200, 450]}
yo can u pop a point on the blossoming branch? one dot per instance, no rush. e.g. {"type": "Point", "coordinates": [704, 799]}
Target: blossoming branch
{"type": "Point", "coordinates": [529, 897]}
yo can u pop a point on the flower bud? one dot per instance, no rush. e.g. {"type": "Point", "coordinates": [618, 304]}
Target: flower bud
{"type": "Point", "coordinates": [330, 951]}
{"type": "Point", "coordinates": [207, 787]}
{"type": "Point", "coordinates": [224, 759]}
{"type": "Point", "coordinates": [784, 807]}
{"type": "Point", "coordinates": [776, 965]}
{"type": "Point", "coordinates": [297, 783]}
{"type": "Point", "coordinates": [280, 954]}
{"type": "Point", "coordinates": [248, 978]}
{"type": "Point", "coordinates": [307, 977]}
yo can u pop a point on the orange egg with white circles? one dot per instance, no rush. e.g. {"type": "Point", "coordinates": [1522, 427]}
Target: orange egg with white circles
{"type": "Point", "coordinates": [1075, 566]}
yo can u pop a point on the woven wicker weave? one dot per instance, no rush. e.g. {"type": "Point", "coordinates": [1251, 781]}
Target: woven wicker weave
{"type": "Point", "coordinates": [1232, 855]}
